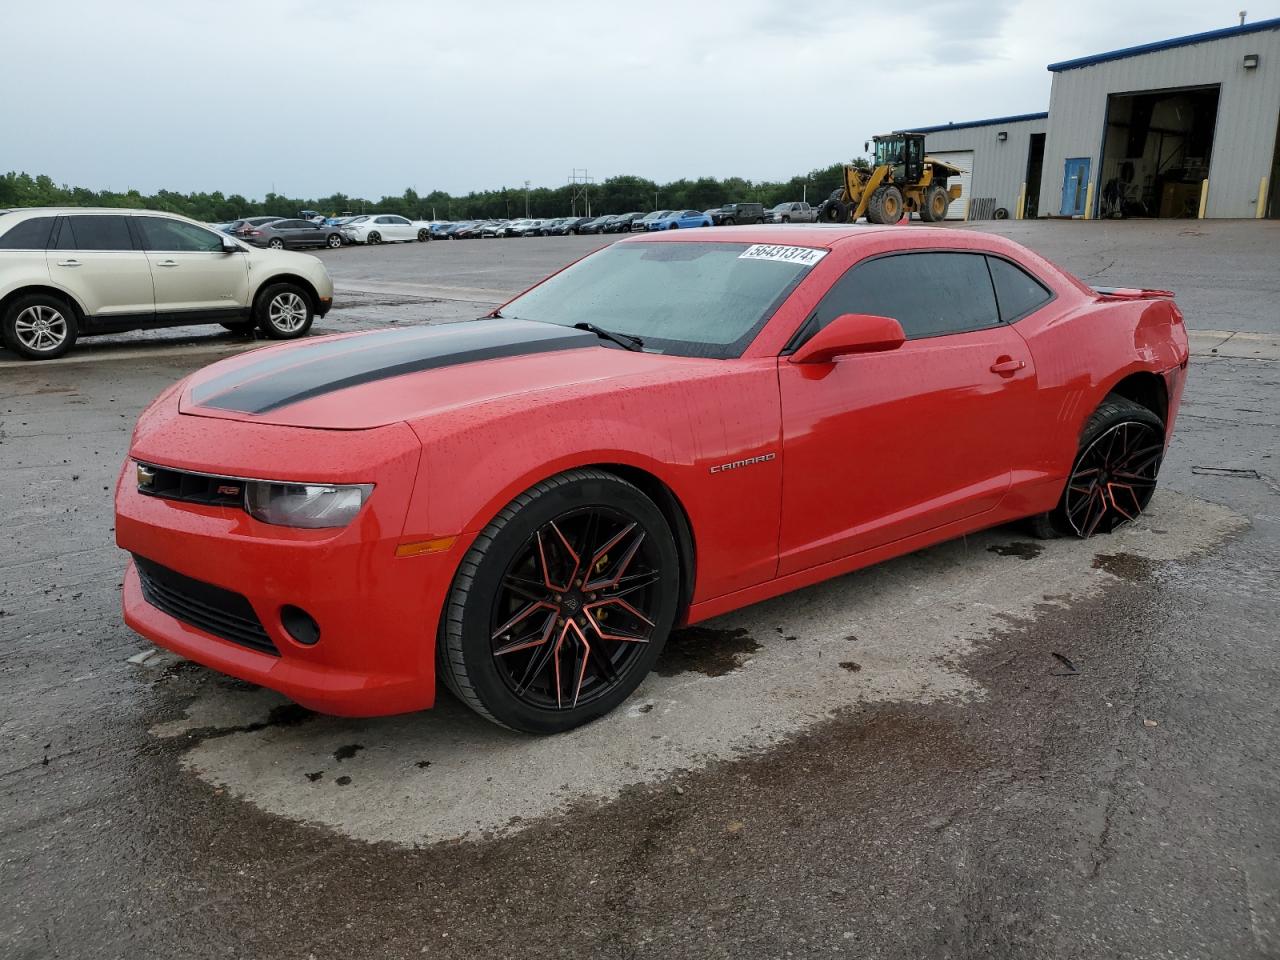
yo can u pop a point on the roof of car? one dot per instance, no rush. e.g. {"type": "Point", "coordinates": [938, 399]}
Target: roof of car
{"type": "Point", "coordinates": [815, 235]}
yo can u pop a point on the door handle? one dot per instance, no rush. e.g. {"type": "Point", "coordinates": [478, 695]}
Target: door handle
{"type": "Point", "coordinates": [1007, 365]}
{"type": "Point", "coordinates": [166, 263]}
{"type": "Point", "coordinates": [68, 263]}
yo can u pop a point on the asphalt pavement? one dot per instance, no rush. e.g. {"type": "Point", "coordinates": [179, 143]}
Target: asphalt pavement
{"type": "Point", "coordinates": [997, 747]}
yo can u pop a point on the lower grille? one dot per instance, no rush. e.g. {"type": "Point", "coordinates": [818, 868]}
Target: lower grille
{"type": "Point", "coordinates": [214, 610]}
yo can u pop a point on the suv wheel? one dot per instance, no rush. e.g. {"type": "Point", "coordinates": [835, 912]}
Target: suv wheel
{"type": "Point", "coordinates": [39, 327]}
{"type": "Point", "coordinates": [284, 312]}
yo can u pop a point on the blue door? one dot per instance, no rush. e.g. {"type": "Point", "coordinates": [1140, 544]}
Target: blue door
{"type": "Point", "coordinates": [1075, 186]}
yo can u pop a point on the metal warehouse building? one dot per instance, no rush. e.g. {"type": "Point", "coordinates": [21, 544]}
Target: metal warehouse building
{"type": "Point", "coordinates": [1179, 128]}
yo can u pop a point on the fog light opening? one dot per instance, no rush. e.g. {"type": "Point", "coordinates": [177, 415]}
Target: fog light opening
{"type": "Point", "coordinates": [300, 625]}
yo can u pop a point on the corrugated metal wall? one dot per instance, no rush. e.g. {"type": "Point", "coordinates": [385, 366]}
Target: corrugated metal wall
{"type": "Point", "coordinates": [998, 166]}
{"type": "Point", "coordinates": [1248, 110]}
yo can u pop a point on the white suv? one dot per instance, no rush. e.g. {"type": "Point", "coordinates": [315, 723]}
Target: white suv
{"type": "Point", "coordinates": [77, 271]}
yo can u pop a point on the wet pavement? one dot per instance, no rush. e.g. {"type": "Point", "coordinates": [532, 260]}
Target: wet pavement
{"type": "Point", "coordinates": [996, 747]}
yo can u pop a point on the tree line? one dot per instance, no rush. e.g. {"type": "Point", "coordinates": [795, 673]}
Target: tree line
{"type": "Point", "coordinates": [621, 194]}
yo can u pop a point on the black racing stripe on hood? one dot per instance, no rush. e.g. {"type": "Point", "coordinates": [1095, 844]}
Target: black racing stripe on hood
{"type": "Point", "coordinates": [313, 370]}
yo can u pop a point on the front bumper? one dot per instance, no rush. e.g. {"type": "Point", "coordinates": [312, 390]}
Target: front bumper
{"type": "Point", "coordinates": [377, 613]}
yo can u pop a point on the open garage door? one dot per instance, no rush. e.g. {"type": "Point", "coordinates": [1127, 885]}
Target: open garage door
{"type": "Point", "coordinates": [1155, 156]}
{"type": "Point", "coordinates": [963, 159]}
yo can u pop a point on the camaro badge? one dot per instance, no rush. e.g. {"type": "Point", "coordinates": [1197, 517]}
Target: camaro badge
{"type": "Point", "coordinates": [763, 458]}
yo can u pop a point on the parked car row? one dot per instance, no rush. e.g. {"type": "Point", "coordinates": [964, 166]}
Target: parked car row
{"type": "Point", "coordinates": [311, 229]}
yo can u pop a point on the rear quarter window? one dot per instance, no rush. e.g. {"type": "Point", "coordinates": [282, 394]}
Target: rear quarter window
{"type": "Point", "coordinates": [1017, 292]}
{"type": "Point", "coordinates": [32, 234]}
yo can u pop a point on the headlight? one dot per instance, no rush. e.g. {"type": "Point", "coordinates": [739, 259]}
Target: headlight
{"type": "Point", "coordinates": [308, 505]}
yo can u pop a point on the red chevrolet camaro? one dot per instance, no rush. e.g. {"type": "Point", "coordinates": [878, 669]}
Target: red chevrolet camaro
{"type": "Point", "coordinates": [673, 427]}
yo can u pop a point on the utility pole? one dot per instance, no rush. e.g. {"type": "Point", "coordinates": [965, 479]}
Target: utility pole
{"type": "Point", "coordinates": [526, 199]}
{"type": "Point", "coordinates": [579, 189]}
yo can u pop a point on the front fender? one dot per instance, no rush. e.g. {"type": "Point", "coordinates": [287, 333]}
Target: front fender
{"type": "Point", "coordinates": [477, 460]}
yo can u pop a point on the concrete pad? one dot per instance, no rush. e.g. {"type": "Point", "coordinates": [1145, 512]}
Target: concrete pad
{"type": "Point", "coordinates": [730, 688]}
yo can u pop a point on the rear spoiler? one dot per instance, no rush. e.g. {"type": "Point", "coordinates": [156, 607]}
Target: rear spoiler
{"type": "Point", "coordinates": [1131, 293]}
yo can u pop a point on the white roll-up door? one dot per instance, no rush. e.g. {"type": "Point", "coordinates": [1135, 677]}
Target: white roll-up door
{"type": "Point", "coordinates": [963, 159]}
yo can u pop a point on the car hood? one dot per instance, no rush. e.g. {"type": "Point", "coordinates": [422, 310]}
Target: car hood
{"type": "Point", "coordinates": [365, 380]}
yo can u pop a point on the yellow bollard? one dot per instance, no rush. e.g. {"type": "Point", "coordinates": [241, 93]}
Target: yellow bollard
{"type": "Point", "coordinates": [1204, 196]}
{"type": "Point", "coordinates": [1088, 202]}
{"type": "Point", "coordinates": [1022, 203]}
{"type": "Point", "coordinates": [1262, 200]}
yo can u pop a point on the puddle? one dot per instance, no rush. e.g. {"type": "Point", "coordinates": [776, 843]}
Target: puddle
{"type": "Point", "coordinates": [1025, 549]}
{"type": "Point", "coordinates": [706, 650]}
{"type": "Point", "coordinates": [1126, 566]}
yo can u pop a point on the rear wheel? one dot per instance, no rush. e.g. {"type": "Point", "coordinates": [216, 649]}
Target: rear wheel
{"type": "Point", "coordinates": [936, 201]}
{"type": "Point", "coordinates": [1114, 474]}
{"type": "Point", "coordinates": [275, 243]}
{"type": "Point", "coordinates": [284, 311]}
{"type": "Point", "coordinates": [562, 605]}
{"type": "Point", "coordinates": [39, 326]}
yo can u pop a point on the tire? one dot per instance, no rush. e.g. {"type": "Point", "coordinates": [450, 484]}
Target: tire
{"type": "Point", "coordinates": [730, 221]}
{"type": "Point", "coordinates": [520, 688]}
{"type": "Point", "coordinates": [373, 237]}
{"type": "Point", "coordinates": [1113, 474]}
{"type": "Point", "coordinates": [240, 327]}
{"type": "Point", "coordinates": [786, 219]}
{"type": "Point", "coordinates": [833, 211]}
{"type": "Point", "coordinates": [334, 241]}
{"type": "Point", "coordinates": [424, 235]}
{"type": "Point", "coordinates": [275, 243]}
{"type": "Point", "coordinates": [39, 326]}
{"type": "Point", "coordinates": [758, 220]}
{"type": "Point", "coordinates": [885, 205]}
{"type": "Point", "coordinates": [1001, 213]}
{"type": "Point", "coordinates": [283, 311]}
{"type": "Point", "coordinates": [673, 226]}
{"type": "Point", "coordinates": [936, 202]}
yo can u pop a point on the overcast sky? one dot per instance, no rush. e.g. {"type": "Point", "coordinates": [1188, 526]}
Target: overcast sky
{"type": "Point", "coordinates": [371, 96]}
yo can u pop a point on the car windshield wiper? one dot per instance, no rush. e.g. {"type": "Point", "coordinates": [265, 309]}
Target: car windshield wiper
{"type": "Point", "coordinates": [628, 341]}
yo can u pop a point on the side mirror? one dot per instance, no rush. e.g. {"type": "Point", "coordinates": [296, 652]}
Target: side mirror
{"type": "Point", "coordinates": [230, 246]}
{"type": "Point", "coordinates": [851, 333]}
{"type": "Point", "coordinates": [866, 146]}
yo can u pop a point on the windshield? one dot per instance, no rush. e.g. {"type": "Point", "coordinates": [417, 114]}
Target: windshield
{"type": "Point", "coordinates": [691, 299]}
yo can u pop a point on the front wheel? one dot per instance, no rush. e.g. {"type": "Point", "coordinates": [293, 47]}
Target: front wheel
{"type": "Point", "coordinates": [284, 312]}
{"type": "Point", "coordinates": [374, 237]}
{"type": "Point", "coordinates": [1114, 474]}
{"type": "Point", "coordinates": [334, 241]}
{"type": "Point", "coordinates": [562, 605]}
{"type": "Point", "coordinates": [424, 235]}
{"type": "Point", "coordinates": [39, 327]}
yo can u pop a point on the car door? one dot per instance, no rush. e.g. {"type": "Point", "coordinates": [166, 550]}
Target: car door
{"type": "Point", "coordinates": [881, 446]}
{"type": "Point", "coordinates": [194, 277]}
{"type": "Point", "coordinates": [96, 258]}
{"type": "Point", "coordinates": [307, 234]}
{"type": "Point", "coordinates": [402, 227]}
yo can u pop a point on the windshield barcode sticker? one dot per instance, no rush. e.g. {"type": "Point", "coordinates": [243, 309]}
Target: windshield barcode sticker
{"type": "Point", "coordinates": [806, 256]}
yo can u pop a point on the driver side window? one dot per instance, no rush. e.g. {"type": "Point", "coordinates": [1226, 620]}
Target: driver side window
{"type": "Point", "coordinates": [929, 294]}
{"type": "Point", "coordinates": [174, 236]}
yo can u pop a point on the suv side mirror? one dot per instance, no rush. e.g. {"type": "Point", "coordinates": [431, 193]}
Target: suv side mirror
{"type": "Point", "coordinates": [851, 333]}
{"type": "Point", "coordinates": [230, 246]}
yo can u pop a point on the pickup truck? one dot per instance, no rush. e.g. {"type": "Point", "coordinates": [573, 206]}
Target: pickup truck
{"type": "Point", "coordinates": [793, 212]}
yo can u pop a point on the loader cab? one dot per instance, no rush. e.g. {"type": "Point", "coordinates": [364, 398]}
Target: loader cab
{"type": "Point", "coordinates": [903, 153]}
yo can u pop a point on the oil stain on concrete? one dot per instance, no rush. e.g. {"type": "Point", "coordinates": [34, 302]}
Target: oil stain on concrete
{"type": "Point", "coordinates": [912, 620]}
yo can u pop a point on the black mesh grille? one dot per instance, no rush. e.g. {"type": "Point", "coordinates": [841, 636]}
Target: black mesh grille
{"type": "Point", "coordinates": [212, 609]}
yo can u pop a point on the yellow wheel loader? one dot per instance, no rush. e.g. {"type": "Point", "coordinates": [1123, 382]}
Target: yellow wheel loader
{"type": "Point", "coordinates": [903, 181]}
